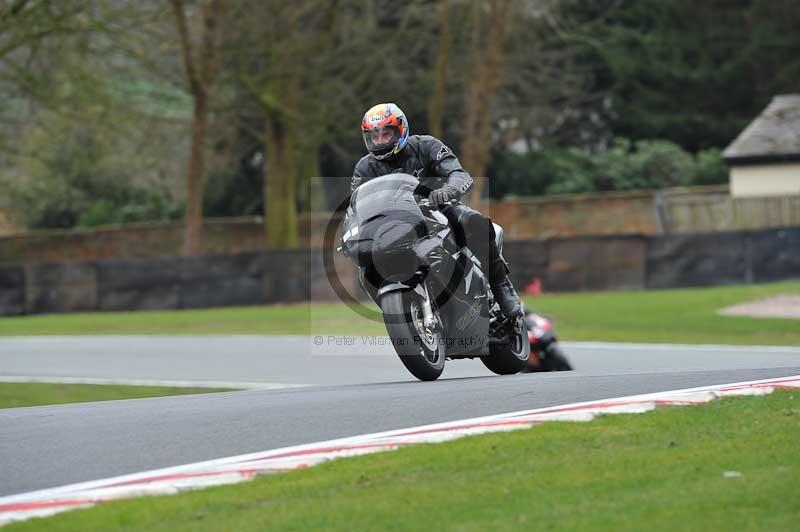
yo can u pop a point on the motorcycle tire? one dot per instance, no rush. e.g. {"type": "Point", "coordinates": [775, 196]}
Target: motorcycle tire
{"type": "Point", "coordinates": [509, 358]}
{"type": "Point", "coordinates": [423, 354]}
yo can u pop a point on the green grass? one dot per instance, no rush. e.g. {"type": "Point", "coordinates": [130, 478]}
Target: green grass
{"type": "Point", "coordinates": [13, 395]}
{"type": "Point", "coordinates": [274, 319]}
{"type": "Point", "coordinates": [684, 316]}
{"type": "Point", "coordinates": [658, 471]}
{"type": "Point", "coordinates": [670, 316]}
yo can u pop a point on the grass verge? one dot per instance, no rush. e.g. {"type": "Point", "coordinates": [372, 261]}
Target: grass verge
{"type": "Point", "coordinates": [683, 316]}
{"type": "Point", "coordinates": [14, 395]}
{"type": "Point", "coordinates": [670, 316]}
{"type": "Point", "coordinates": [663, 470]}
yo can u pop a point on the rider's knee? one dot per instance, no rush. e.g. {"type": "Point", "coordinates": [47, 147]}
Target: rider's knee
{"type": "Point", "coordinates": [476, 224]}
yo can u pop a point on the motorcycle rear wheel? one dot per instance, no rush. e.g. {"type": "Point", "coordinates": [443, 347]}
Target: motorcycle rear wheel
{"type": "Point", "coordinates": [420, 349]}
{"type": "Point", "coordinates": [511, 357]}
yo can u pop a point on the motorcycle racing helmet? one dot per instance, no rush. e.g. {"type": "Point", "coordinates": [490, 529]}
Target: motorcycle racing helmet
{"type": "Point", "coordinates": [385, 130]}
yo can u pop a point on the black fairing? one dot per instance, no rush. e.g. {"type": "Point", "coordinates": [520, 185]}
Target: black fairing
{"type": "Point", "coordinates": [392, 239]}
{"type": "Point", "coordinates": [384, 222]}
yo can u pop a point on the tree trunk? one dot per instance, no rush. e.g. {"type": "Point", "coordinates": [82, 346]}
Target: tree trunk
{"type": "Point", "coordinates": [193, 220]}
{"type": "Point", "coordinates": [309, 190]}
{"type": "Point", "coordinates": [281, 169]}
{"type": "Point", "coordinates": [200, 73]}
{"type": "Point", "coordinates": [437, 100]}
{"type": "Point", "coordinates": [484, 83]}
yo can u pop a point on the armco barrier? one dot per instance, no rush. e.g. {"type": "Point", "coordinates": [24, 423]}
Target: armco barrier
{"type": "Point", "coordinates": [774, 255]}
{"type": "Point", "coordinates": [627, 262]}
{"type": "Point", "coordinates": [600, 263]}
{"type": "Point", "coordinates": [12, 290]}
{"type": "Point", "coordinates": [705, 259]}
{"type": "Point", "coordinates": [60, 287]}
{"type": "Point", "coordinates": [697, 260]}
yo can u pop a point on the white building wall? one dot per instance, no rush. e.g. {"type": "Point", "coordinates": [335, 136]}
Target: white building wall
{"type": "Point", "coordinates": [765, 180]}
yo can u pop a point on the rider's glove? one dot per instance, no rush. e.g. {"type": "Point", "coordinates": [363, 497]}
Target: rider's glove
{"type": "Point", "coordinates": [444, 195]}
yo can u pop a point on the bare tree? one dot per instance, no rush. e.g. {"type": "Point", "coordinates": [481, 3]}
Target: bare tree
{"type": "Point", "coordinates": [485, 80]}
{"type": "Point", "coordinates": [436, 103]}
{"type": "Point", "coordinates": [31, 33]}
{"type": "Point", "coordinates": [551, 97]}
{"type": "Point", "coordinates": [69, 72]}
{"type": "Point", "coordinates": [201, 69]}
{"type": "Point", "coordinates": [287, 57]}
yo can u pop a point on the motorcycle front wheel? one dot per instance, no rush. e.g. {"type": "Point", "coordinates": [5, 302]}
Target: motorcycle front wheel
{"type": "Point", "coordinates": [420, 348]}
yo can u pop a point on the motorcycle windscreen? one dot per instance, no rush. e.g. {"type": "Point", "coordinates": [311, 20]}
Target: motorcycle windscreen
{"type": "Point", "coordinates": [389, 192]}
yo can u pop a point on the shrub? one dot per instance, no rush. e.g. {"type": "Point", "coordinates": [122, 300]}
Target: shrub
{"type": "Point", "coordinates": [72, 179]}
{"type": "Point", "coordinates": [626, 165]}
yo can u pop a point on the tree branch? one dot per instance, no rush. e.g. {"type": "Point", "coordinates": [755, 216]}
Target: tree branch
{"type": "Point", "coordinates": [186, 46]}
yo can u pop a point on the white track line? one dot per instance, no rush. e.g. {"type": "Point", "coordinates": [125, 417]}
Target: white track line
{"type": "Point", "coordinates": [58, 340]}
{"type": "Point", "coordinates": [687, 347]}
{"type": "Point", "coordinates": [151, 382]}
{"type": "Point", "coordinates": [245, 467]}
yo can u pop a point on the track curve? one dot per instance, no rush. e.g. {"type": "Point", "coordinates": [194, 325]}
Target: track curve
{"type": "Point", "coordinates": [350, 393]}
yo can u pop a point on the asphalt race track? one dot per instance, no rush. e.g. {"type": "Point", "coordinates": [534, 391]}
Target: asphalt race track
{"type": "Point", "coordinates": [348, 390]}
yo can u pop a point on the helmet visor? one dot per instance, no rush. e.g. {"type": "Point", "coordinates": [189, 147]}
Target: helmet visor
{"type": "Point", "coordinates": [380, 140]}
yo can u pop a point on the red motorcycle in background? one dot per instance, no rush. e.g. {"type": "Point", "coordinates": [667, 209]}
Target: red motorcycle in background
{"type": "Point", "coordinates": [546, 354]}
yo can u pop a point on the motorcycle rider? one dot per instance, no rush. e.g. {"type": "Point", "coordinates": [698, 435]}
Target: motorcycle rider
{"type": "Point", "coordinates": [392, 150]}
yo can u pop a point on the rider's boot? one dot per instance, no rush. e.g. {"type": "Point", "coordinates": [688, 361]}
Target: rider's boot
{"type": "Point", "coordinates": [503, 290]}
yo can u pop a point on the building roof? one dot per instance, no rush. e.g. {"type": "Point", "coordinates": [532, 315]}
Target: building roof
{"type": "Point", "coordinates": [773, 136]}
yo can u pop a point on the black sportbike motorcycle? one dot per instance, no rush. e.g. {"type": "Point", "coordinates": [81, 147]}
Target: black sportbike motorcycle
{"type": "Point", "coordinates": [431, 289]}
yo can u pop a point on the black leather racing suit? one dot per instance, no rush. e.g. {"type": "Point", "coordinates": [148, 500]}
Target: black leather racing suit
{"type": "Point", "coordinates": [435, 165]}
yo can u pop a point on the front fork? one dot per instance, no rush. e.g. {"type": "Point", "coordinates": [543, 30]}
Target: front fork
{"type": "Point", "coordinates": [420, 287]}
{"type": "Point", "coordinates": [429, 320]}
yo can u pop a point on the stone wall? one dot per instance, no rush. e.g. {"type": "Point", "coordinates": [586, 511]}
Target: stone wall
{"type": "Point", "coordinates": [584, 214]}
{"type": "Point", "coordinates": [627, 262]}
{"type": "Point", "coordinates": [647, 213]}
